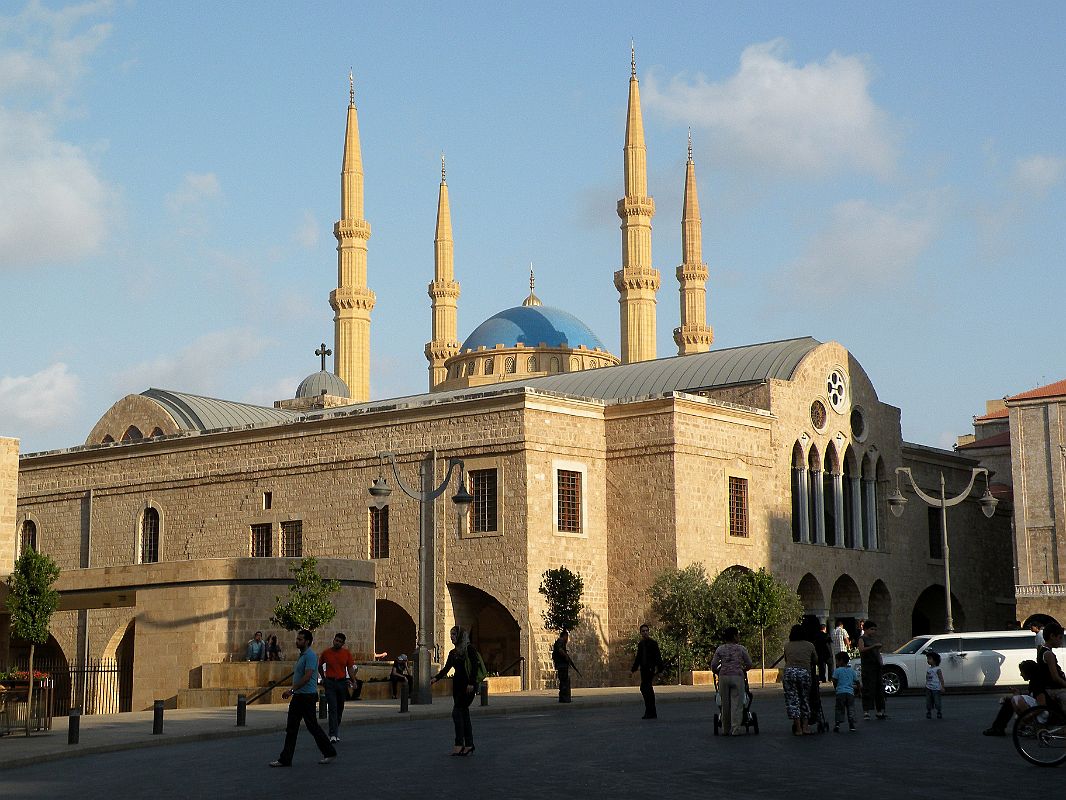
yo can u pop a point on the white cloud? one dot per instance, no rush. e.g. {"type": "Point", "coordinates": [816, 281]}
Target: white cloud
{"type": "Point", "coordinates": [776, 115]}
{"type": "Point", "coordinates": [195, 189]}
{"type": "Point", "coordinates": [36, 402]}
{"type": "Point", "coordinates": [202, 367]}
{"type": "Point", "coordinates": [307, 231]}
{"type": "Point", "coordinates": [1036, 175]}
{"type": "Point", "coordinates": [865, 246]}
{"type": "Point", "coordinates": [49, 185]}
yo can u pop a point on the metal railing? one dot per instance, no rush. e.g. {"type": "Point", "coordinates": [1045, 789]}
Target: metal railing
{"type": "Point", "coordinates": [1040, 590]}
{"type": "Point", "coordinates": [101, 686]}
{"type": "Point", "coordinates": [274, 685]}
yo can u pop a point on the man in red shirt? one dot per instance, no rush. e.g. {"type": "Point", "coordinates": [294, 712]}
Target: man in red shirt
{"type": "Point", "coordinates": [338, 668]}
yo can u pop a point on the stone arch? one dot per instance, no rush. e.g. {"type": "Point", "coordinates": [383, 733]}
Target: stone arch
{"type": "Point", "coordinates": [28, 536]}
{"type": "Point", "coordinates": [812, 596]}
{"type": "Point", "coordinates": [553, 365]}
{"type": "Point", "coordinates": [494, 631]}
{"type": "Point", "coordinates": [394, 631]}
{"type": "Point", "coordinates": [846, 600]}
{"type": "Point", "coordinates": [149, 535]}
{"type": "Point", "coordinates": [879, 609]}
{"type": "Point", "coordinates": [157, 431]}
{"type": "Point", "coordinates": [121, 649]}
{"type": "Point", "coordinates": [851, 524]}
{"type": "Point", "coordinates": [108, 439]}
{"type": "Point", "coordinates": [531, 364]}
{"type": "Point", "coordinates": [799, 495]}
{"type": "Point", "coordinates": [509, 365]}
{"type": "Point", "coordinates": [815, 521]}
{"type": "Point", "coordinates": [929, 614]}
{"type": "Point", "coordinates": [132, 434]}
{"type": "Point", "coordinates": [490, 365]}
{"type": "Point", "coordinates": [1039, 619]}
{"type": "Point", "coordinates": [830, 521]}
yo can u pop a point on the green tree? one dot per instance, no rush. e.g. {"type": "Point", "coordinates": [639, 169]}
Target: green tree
{"type": "Point", "coordinates": [32, 601]}
{"type": "Point", "coordinates": [562, 589]}
{"type": "Point", "coordinates": [308, 604]}
{"type": "Point", "coordinates": [760, 605]}
{"type": "Point", "coordinates": [683, 602]}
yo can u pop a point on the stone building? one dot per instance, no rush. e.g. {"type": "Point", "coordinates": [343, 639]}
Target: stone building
{"type": "Point", "coordinates": [175, 522]}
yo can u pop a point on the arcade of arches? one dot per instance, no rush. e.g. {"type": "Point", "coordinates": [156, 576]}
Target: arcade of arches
{"type": "Point", "coordinates": [835, 500]}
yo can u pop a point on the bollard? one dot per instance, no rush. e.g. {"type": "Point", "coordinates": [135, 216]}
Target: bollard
{"type": "Point", "coordinates": [323, 709]}
{"type": "Point", "coordinates": [74, 726]}
{"type": "Point", "coordinates": [484, 693]}
{"type": "Point", "coordinates": [157, 717]}
{"type": "Point", "coordinates": [242, 710]}
{"type": "Point", "coordinates": [405, 697]}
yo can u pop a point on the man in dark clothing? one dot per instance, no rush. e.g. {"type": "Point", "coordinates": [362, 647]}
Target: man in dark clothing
{"type": "Point", "coordinates": [562, 662]}
{"type": "Point", "coordinates": [649, 661]}
{"type": "Point", "coordinates": [873, 692]}
{"type": "Point", "coordinates": [824, 650]}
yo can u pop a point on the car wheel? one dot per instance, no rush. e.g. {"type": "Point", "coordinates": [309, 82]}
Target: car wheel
{"type": "Point", "coordinates": [893, 681]}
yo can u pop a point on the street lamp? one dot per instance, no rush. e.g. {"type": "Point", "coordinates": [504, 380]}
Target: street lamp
{"type": "Point", "coordinates": [427, 606]}
{"type": "Point", "coordinates": [897, 502]}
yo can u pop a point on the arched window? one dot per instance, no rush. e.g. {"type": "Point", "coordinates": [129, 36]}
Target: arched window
{"type": "Point", "coordinates": [490, 365]}
{"type": "Point", "coordinates": [470, 367]}
{"type": "Point", "coordinates": [575, 365]}
{"type": "Point", "coordinates": [157, 431]}
{"type": "Point", "coordinates": [132, 434]}
{"type": "Point", "coordinates": [28, 536]}
{"type": "Point", "coordinates": [509, 365]}
{"type": "Point", "coordinates": [149, 536]}
{"type": "Point", "coordinates": [531, 364]}
{"type": "Point", "coordinates": [108, 439]}
{"type": "Point", "coordinates": [554, 365]}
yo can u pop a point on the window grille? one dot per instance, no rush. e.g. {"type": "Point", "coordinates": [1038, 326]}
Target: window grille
{"type": "Point", "coordinates": [379, 532]}
{"type": "Point", "coordinates": [483, 486]}
{"type": "Point", "coordinates": [738, 507]}
{"type": "Point", "coordinates": [292, 539]}
{"type": "Point", "coordinates": [28, 536]}
{"type": "Point", "coordinates": [261, 535]}
{"type": "Point", "coordinates": [150, 536]}
{"type": "Point", "coordinates": [569, 493]}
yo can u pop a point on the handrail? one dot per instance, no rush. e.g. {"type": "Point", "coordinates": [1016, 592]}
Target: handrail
{"type": "Point", "coordinates": [512, 664]}
{"type": "Point", "coordinates": [274, 685]}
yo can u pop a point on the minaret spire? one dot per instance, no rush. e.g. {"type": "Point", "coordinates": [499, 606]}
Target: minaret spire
{"type": "Point", "coordinates": [638, 281]}
{"type": "Point", "coordinates": [352, 301]}
{"type": "Point", "coordinates": [532, 300]}
{"type": "Point", "coordinates": [694, 335]}
{"type": "Point", "coordinates": [443, 290]}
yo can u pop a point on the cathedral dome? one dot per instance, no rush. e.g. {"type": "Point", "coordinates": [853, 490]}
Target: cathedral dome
{"type": "Point", "coordinates": [530, 326]}
{"type": "Point", "coordinates": [313, 384]}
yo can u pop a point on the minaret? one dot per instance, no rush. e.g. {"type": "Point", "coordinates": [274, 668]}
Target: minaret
{"type": "Point", "coordinates": [443, 291]}
{"type": "Point", "coordinates": [637, 281]}
{"type": "Point", "coordinates": [352, 301]}
{"type": "Point", "coordinates": [694, 335]}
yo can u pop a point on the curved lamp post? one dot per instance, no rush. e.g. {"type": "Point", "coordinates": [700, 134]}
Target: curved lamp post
{"type": "Point", "coordinates": [379, 494]}
{"type": "Point", "coordinates": [897, 502]}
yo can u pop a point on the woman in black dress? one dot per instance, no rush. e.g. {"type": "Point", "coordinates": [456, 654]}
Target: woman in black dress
{"type": "Point", "coordinates": [462, 661]}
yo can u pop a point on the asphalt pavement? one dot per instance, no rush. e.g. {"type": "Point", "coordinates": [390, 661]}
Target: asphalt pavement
{"type": "Point", "coordinates": [529, 746]}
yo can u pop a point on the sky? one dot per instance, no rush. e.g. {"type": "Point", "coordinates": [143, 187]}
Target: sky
{"type": "Point", "coordinates": [890, 177]}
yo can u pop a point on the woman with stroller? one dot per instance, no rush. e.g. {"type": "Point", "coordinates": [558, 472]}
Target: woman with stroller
{"type": "Point", "coordinates": [801, 660]}
{"type": "Point", "coordinates": [731, 663]}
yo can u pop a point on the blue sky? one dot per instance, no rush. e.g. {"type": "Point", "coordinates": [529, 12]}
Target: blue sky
{"type": "Point", "coordinates": [890, 178]}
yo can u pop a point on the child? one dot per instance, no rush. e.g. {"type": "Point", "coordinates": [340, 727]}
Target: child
{"type": "Point", "coordinates": [1016, 702]}
{"type": "Point", "coordinates": [847, 683]}
{"type": "Point", "coordinates": [934, 685]}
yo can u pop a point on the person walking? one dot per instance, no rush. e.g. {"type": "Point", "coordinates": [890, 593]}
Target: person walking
{"type": "Point", "coordinates": [338, 671]}
{"type": "Point", "coordinates": [800, 663]}
{"type": "Point", "coordinates": [845, 681]}
{"type": "Point", "coordinates": [649, 661]}
{"type": "Point", "coordinates": [731, 662]}
{"type": "Point", "coordinates": [562, 661]}
{"type": "Point", "coordinates": [463, 662]}
{"type": "Point", "coordinates": [302, 699]}
{"type": "Point", "coordinates": [873, 691]}
{"type": "Point", "coordinates": [934, 685]}
{"type": "Point", "coordinates": [824, 648]}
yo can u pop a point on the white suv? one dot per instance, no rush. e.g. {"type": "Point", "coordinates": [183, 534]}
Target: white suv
{"type": "Point", "coordinates": [983, 658]}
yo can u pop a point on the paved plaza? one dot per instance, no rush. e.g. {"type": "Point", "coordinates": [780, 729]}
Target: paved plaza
{"type": "Point", "coordinates": [530, 746]}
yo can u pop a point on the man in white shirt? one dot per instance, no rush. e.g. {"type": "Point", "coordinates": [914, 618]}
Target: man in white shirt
{"type": "Point", "coordinates": [839, 639]}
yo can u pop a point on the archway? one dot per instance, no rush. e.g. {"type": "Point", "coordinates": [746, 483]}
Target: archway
{"type": "Point", "coordinates": [394, 632]}
{"type": "Point", "coordinates": [493, 630]}
{"type": "Point", "coordinates": [109, 685]}
{"type": "Point", "coordinates": [799, 494]}
{"type": "Point", "coordinates": [845, 604]}
{"type": "Point", "coordinates": [929, 614]}
{"type": "Point", "coordinates": [812, 596]}
{"type": "Point", "coordinates": [833, 531]}
{"type": "Point", "coordinates": [880, 611]}
{"type": "Point", "coordinates": [48, 658]}
{"type": "Point", "coordinates": [1039, 619]}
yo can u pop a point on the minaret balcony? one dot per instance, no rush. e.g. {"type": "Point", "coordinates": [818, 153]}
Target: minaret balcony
{"type": "Point", "coordinates": [636, 206]}
{"type": "Point", "coordinates": [632, 278]}
{"type": "Point", "coordinates": [351, 229]}
{"type": "Point", "coordinates": [352, 298]}
{"type": "Point", "coordinates": [692, 272]}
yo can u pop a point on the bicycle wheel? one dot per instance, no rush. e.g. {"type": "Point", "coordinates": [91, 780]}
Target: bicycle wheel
{"type": "Point", "coordinates": [1040, 736]}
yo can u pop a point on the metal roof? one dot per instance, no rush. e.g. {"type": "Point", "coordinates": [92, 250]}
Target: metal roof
{"type": "Point", "coordinates": [193, 412]}
{"type": "Point", "coordinates": [312, 385]}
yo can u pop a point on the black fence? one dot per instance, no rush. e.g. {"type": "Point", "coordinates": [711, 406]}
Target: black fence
{"type": "Point", "coordinates": [102, 686]}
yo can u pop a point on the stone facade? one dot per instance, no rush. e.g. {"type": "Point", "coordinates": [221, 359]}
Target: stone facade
{"type": "Point", "coordinates": [9, 479]}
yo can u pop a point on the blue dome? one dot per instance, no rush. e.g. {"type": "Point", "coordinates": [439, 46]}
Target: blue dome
{"type": "Point", "coordinates": [531, 325]}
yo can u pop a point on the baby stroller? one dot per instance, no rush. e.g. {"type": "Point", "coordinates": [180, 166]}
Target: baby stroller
{"type": "Point", "coordinates": [814, 700]}
{"type": "Point", "coordinates": [749, 719]}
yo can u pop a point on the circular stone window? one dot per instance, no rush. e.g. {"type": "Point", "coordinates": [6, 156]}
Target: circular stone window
{"type": "Point", "coordinates": [818, 414]}
{"type": "Point", "coordinates": [858, 424]}
{"type": "Point", "coordinates": [836, 389]}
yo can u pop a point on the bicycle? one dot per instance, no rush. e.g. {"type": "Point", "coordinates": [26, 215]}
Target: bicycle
{"type": "Point", "coordinates": [1040, 736]}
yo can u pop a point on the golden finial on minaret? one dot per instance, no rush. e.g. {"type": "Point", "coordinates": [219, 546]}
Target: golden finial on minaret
{"type": "Point", "coordinates": [532, 300]}
{"type": "Point", "coordinates": [632, 58]}
{"type": "Point", "coordinates": [532, 280]}
{"type": "Point", "coordinates": [351, 85]}
{"type": "Point", "coordinates": [443, 171]}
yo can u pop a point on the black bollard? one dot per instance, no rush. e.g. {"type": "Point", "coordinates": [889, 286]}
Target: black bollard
{"type": "Point", "coordinates": [323, 709]}
{"type": "Point", "coordinates": [74, 726]}
{"type": "Point", "coordinates": [157, 717]}
{"type": "Point", "coordinates": [405, 697]}
{"type": "Point", "coordinates": [484, 693]}
{"type": "Point", "coordinates": [242, 710]}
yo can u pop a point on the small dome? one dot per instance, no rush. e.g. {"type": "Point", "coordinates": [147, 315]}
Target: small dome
{"type": "Point", "coordinates": [313, 384]}
{"type": "Point", "coordinates": [530, 325]}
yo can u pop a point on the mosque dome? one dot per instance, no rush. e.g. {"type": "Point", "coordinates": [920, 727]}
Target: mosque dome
{"type": "Point", "coordinates": [314, 384]}
{"type": "Point", "coordinates": [531, 325]}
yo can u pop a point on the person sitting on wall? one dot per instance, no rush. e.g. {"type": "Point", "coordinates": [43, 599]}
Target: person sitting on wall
{"type": "Point", "coordinates": [400, 672]}
{"type": "Point", "coordinates": [257, 649]}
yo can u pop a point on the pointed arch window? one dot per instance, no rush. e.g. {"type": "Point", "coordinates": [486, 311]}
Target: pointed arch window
{"type": "Point", "coordinates": [531, 364]}
{"type": "Point", "coordinates": [149, 551]}
{"type": "Point", "coordinates": [490, 365]}
{"type": "Point", "coordinates": [509, 365]}
{"type": "Point", "coordinates": [28, 536]}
